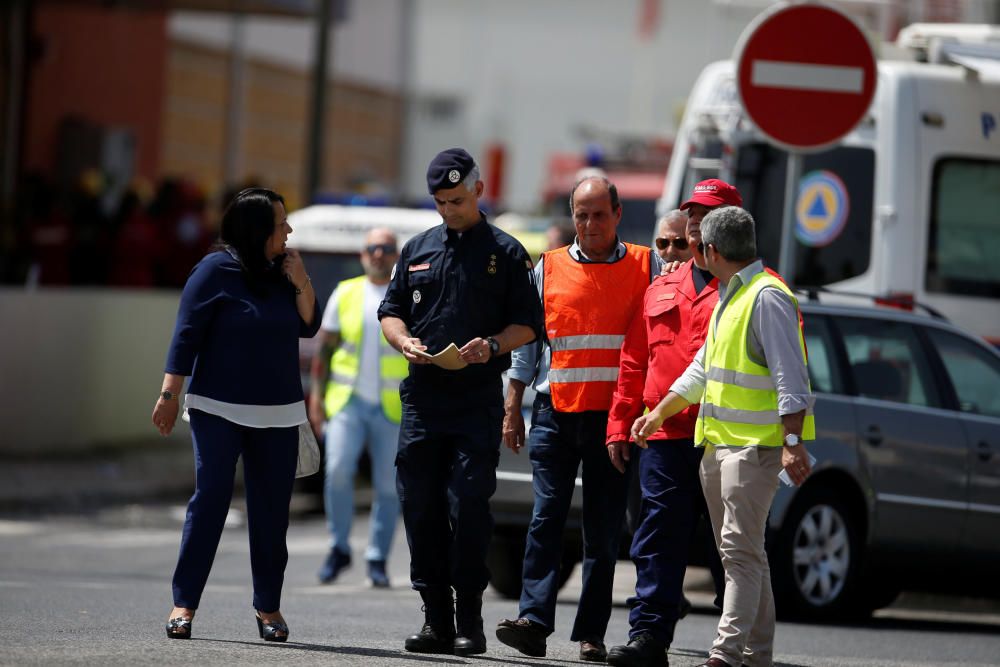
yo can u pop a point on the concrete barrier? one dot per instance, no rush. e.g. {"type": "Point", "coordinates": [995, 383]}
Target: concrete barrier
{"type": "Point", "coordinates": [80, 368]}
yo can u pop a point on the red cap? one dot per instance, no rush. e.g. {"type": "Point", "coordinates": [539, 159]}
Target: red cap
{"type": "Point", "coordinates": [712, 193]}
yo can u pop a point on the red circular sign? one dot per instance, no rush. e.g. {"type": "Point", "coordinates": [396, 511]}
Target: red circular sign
{"type": "Point", "coordinates": [806, 75]}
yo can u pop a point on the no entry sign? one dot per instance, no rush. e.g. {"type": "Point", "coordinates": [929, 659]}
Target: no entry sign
{"type": "Point", "coordinates": [805, 74]}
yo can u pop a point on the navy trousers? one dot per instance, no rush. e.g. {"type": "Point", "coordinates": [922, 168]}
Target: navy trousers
{"type": "Point", "coordinates": [672, 503]}
{"type": "Point", "coordinates": [269, 459]}
{"type": "Point", "coordinates": [557, 445]}
{"type": "Point", "coordinates": [445, 476]}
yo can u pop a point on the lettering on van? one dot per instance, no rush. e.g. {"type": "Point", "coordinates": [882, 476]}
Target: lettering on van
{"type": "Point", "coordinates": [989, 124]}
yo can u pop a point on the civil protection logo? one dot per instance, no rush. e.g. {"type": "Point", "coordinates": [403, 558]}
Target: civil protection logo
{"type": "Point", "coordinates": [821, 208]}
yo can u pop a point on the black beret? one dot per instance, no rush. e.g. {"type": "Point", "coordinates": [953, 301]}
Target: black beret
{"type": "Point", "coordinates": [448, 169]}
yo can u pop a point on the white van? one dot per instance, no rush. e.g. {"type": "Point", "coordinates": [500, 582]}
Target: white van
{"type": "Point", "coordinates": [907, 206]}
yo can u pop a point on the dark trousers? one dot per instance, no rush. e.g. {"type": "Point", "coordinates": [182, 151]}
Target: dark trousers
{"type": "Point", "coordinates": [671, 506]}
{"type": "Point", "coordinates": [269, 459]}
{"type": "Point", "coordinates": [445, 477]}
{"type": "Point", "coordinates": [559, 442]}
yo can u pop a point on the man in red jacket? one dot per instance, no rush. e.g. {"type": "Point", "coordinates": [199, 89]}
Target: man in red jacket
{"type": "Point", "coordinates": [661, 341]}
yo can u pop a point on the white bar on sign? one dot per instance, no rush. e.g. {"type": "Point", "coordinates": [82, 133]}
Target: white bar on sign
{"type": "Point", "coordinates": [801, 76]}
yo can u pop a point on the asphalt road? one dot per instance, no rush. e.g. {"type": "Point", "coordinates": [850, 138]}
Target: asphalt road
{"type": "Point", "coordinates": [96, 590]}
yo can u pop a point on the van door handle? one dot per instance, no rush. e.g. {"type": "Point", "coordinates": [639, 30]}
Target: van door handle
{"type": "Point", "coordinates": [985, 452]}
{"type": "Point", "coordinates": [874, 435]}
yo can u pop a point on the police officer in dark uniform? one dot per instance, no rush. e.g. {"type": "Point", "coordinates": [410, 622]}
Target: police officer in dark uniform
{"type": "Point", "coordinates": [463, 282]}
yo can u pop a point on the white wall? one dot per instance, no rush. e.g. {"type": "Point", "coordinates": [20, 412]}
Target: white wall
{"type": "Point", "coordinates": [81, 367]}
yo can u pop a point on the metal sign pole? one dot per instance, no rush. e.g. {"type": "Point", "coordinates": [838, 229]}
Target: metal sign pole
{"type": "Point", "coordinates": [786, 260]}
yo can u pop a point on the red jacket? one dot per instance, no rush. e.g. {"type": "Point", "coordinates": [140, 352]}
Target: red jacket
{"type": "Point", "coordinates": [663, 338]}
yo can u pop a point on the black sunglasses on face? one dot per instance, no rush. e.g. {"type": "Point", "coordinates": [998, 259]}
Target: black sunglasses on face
{"type": "Point", "coordinates": [679, 243]}
{"type": "Point", "coordinates": [386, 248]}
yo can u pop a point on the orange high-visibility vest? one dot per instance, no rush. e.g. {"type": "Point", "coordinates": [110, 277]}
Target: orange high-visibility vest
{"type": "Point", "coordinates": [588, 308]}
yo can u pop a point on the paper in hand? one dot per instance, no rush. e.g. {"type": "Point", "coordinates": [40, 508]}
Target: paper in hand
{"type": "Point", "coordinates": [449, 358]}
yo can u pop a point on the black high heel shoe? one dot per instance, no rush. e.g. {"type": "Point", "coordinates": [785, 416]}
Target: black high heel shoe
{"type": "Point", "coordinates": [269, 631]}
{"type": "Point", "coordinates": [179, 628]}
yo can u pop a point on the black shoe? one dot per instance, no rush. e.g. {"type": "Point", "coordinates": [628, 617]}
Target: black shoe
{"type": "Point", "coordinates": [336, 562]}
{"type": "Point", "coordinates": [269, 631]}
{"type": "Point", "coordinates": [470, 638]}
{"type": "Point", "coordinates": [179, 628]}
{"type": "Point", "coordinates": [643, 650]}
{"type": "Point", "coordinates": [431, 640]}
{"type": "Point", "coordinates": [377, 574]}
{"type": "Point", "coordinates": [526, 636]}
{"type": "Point", "coordinates": [438, 632]}
{"type": "Point", "coordinates": [593, 650]}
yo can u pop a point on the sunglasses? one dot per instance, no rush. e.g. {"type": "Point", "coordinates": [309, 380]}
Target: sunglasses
{"type": "Point", "coordinates": [386, 248]}
{"type": "Point", "coordinates": [678, 243]}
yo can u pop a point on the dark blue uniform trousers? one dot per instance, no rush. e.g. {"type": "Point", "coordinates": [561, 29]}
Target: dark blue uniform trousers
{"type": "Point", "coordinates": [445, 477]}
{"type": "Point", "coordinates": [672, 502]}
{"type": "Point", "coordinates": [559, 442]}
{"type": "Point", "coordinates": [269, 459]}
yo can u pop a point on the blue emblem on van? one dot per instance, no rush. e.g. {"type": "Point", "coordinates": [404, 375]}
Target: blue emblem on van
{"type": "Point", "coordinates": [821, 208]}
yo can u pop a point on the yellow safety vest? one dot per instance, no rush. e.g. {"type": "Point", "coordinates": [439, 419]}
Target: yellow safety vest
{"type": "Point", "coordinates": [346, 360]}
{"type": "Point", "coordinates": [740, 404]}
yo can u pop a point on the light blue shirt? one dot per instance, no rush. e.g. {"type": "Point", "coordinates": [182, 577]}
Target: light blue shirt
{"type": "Point", "coordinates": [530, 363]}
{"type": "Point", "coordinates": [773, 342]}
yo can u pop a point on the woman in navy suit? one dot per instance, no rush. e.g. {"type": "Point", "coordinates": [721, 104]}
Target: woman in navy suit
{"type": "Point", "coordinates": [242, 311]}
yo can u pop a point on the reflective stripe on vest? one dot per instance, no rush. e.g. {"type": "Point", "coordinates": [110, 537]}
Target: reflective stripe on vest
{"type": "Point", "coordinates": [740, 405]}
{"type": "Point", "coordinates": [588, 308]}
{"type": "Point", "coordinates": [346, 359]}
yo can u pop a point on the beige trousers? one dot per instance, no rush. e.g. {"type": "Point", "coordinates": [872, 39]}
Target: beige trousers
{"type": "Point", "coordinates": [739, 484]}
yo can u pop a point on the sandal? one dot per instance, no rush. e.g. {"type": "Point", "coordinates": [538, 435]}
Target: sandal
{"type": "Point", "coordinates": [179, 628]}
{"type": "Point", "coordinates": [269, 631]}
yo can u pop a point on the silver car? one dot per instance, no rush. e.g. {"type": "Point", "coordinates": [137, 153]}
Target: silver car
{"type": "Point", "coordinates": [905, 493]}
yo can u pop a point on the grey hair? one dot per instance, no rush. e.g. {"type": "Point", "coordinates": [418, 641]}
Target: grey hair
{"type": "Point", "coordinates": [731, 230]}
{"type": "Point", "coordinates": [471, 178]}
{"type": "Point", "coordinates": [670, 215]}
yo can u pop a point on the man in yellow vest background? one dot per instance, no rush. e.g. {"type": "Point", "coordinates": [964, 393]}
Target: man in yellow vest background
{"type": "Point", "coordinates": [751, 379]}
{"type": "Point", "coordinates": [590, 290]}
{"type": "Point", "coordinates": [355, 383]}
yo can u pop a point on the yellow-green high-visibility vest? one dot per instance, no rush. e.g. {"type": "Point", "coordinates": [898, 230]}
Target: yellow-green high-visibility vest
{"type": "Point", "coordinates": [345, 363]}
{"type": "Point", "coordinates": [740, 404]}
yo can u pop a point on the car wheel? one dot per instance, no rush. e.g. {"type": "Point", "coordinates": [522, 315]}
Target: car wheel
{"type": "Point", "coordinates": [815, 559]}
{"type": "Point", "coordinates": [505, 560]}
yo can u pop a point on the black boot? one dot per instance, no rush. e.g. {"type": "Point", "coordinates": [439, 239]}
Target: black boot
{"type": "Point", "coordinates": [643, 650]}
{"type": "Point", "coordinates": [469, 619]}
{"type": "Point", "coordinates": [438, 633]}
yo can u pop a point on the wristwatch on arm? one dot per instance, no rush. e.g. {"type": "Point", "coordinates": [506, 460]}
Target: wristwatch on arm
{"type": "Point", "coordinates": [168, 395]}
{"type": "Point", "coordinates": [792, 440]}
{"type": "Point", "coordinates": [494, 346]}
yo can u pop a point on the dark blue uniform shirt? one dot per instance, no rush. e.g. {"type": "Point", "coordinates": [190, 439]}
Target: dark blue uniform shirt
{"type": "Point", "coordinates": [451, 288]}
{"type": "Point", "coordinates": [238, 346]}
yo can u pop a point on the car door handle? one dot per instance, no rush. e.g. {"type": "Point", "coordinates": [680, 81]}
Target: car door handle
{"type": "Point", "coordinates": [874, 435]}
{"type": "Point", "coordinates": [985, 452]}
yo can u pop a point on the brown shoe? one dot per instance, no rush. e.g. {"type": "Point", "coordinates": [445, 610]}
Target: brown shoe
{"type": "Point", "coordinates": [593, 651]}
{"type": "Point", "coordinates": [714, 662]}
{"type": "Point", "coordinates": [526, 636]}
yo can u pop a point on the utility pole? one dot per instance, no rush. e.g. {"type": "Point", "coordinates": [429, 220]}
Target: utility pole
{"type": "Point", "coordinates": [315, 139]}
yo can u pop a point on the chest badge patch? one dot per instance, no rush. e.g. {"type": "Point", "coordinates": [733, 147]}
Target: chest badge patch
{"type": "Point", "coordinates": [418, 267]}
{"type": "Point", "coordinates": [417, 296]}
{"type": "Point", "coordinates": [492, 268]}
{"type": "Point", "coordinates": [664, 297]}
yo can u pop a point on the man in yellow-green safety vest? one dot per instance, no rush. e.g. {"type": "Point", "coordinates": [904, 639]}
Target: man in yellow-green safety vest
{"type": "Point", "coordinates": [355, 385]}
{"type": "Point", "coordinates": [751, 379]}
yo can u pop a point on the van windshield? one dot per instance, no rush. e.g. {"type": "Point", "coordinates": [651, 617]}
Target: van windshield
{"type": "Point", "coordinates": [833, 210]}
{"type": "Point", "coordinates": [965, 228]}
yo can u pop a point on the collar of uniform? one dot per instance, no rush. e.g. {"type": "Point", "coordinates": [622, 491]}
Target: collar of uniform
{"type": "Point", "coordinates": [744, 275]}
{"type": "Point", "coordinates": [474, 230]}
{"type": "Point", "coordinates": [576, 253]}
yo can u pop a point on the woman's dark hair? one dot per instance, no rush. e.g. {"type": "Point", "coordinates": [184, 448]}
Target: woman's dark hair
{"type": "Point", "coordinates": [247, 224]}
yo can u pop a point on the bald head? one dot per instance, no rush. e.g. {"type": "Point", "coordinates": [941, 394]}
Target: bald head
{"type": "Point", "coordinates": [379, 253]}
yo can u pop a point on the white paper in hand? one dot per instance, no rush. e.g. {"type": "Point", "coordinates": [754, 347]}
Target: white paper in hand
{"type": "Point", "coordinates": [786, 480]}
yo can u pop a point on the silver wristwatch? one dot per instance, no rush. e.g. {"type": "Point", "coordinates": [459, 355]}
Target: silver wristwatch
{"type": "Point", "coordinates": [792, 440]}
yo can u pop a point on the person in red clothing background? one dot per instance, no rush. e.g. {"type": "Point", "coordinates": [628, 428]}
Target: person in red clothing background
{"type": "Point", "coordinates": [661, 341]}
